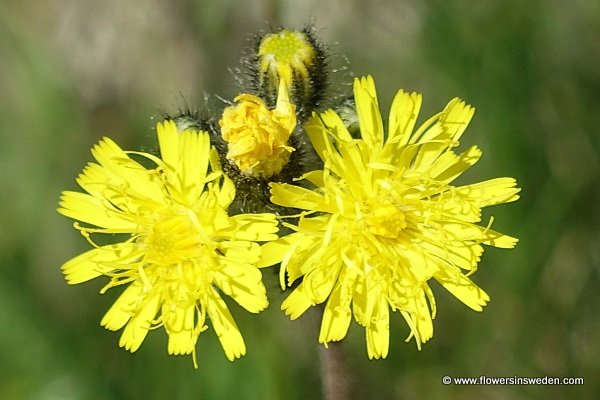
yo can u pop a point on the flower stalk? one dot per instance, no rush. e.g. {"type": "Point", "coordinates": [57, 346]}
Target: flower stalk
{"type": "Point", "coordinates": [334, 372]}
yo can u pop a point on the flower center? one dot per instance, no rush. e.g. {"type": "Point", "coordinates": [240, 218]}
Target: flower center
{"type": "Point", "coordinates": [384, 218]}
{"type": "Point", "coordinates": [172, 239]}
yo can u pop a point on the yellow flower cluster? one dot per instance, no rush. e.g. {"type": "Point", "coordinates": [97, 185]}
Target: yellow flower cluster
{"type": "Point", "coordinates": [378, 222]}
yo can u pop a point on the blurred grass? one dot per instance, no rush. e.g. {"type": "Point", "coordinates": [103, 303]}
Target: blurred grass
{"type": "Point", "coordinates": [71, 72]}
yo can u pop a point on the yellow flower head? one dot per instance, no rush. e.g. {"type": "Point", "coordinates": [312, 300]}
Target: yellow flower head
{"type": "Point", "coordinates": [181, 251]}
{"type": "Point", "coordinates": [286, 55]}
{"type": "Point", "coordinates": [387, 219]}
{"type": "Point", "coordinates": [257, 137]}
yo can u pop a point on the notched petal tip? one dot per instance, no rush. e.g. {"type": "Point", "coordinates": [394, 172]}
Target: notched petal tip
{"type": "Point", "coordinates": [403, 116]}
{"type": "Point", "coordinates": [296, 304]}
{"type": "Point", "coordinates": [465, 290]}
{"type": "Point", "coordinates": [136, 330]}
{"type": "Point", "coordinates": [181, 343]}
{"type": "Point", "coordinates": [497, 239]}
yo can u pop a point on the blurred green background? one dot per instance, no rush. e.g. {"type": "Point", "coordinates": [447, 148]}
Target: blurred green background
{"type": "Point", "coordinates": [73, 71]}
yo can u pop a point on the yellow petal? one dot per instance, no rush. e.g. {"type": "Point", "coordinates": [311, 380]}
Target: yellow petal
{"type": "Point", "coordinates": [274, 252]}
{"type": "Point", "coordinates": [89, 209]}
{"type": "Point", "coordinates": [403, 116]}
{"type": "Point", "coordinates": [463, 289]}
{"type": "Point", "coordinates": [287, 195]}
{"type": "Point", "coordinates": [180, 327]}
{"type": "Point", "coordinates": [317, 132]}
{"type": "Point", "coordinates": [463, 256]}
{"type": "Point", "coordinates": [93, 179]}
{"type": "Point", "coordinates": [351, 164]}
{"type": "Point", "coordinates": [308, 254]}
{"type": "Point", "coordinates": [455, 118]}
{"type": "Point", "coordinates": [422, 318]}
{"type": "Point", "coordinates": [334, 126]}
{"type": "Point", "coordinates": [459, 207]}
{"type": "Point", "coordinates": [371, 125]}
{"type": "Point", "coordinates": [319, 129]}
{"type": "Point", "coordinates": [227, 331]}
{"type": "Point", "coordinates": [421, 264]}
{"type": "Point", "coordinates": [256, 227]}
{"type": "Point", "coordinates": [126, 178]}
{"type": "Point", "coordinates": [318, 283]}
{"type": "Point", "coordinates": [194, 148]}
{"type": "Point", "coordinates": [293, 261]}
{"type": "Point", "coordinates": [490, 192]}
{"type": "Point", "coordinates": [123, 308]}
{"type": "Point", "coordinates": [362, 302]}
{"type": "Point", "coordinates": [497, 239]}
{"type": "Point", "coordinates": [296, 303]}
{"type": "Point", "coordinates": [378, 330]}
{"type": "Point", "coordinates": [285, 109]}
{"type": "Point", "coordinates": [448, 168]}
{"type": "Point", "coordinates": [337, 314]}
{"type": "Point", "coordinates": [168, 140]}
{"type": "Point", "coordinates": [100, 261]}
{"type": "Point", "coordinates": [315, 177]}
{"type": "Point", "coordinates": [474, 233]}
{"type": "Point", "coordinates": [136, 330]}
{"type": "Point", "coordinates": [443, 134]}
{"type": "Point", "coordinates": [243, 283]}
{"type": "Point", "coordinates": [430, 128]}
{"type": "Point", "coordinates": [450, 125]}
{"type": "Point", "coordinates": [226, 192]}
{"type": "Point", "coordinates": [426, 155]}
{"type": "Point", "coordinates": [239, 251]}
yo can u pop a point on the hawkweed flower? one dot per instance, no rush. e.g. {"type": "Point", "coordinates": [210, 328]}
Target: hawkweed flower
{"type": "Point", "coordinates": [258, 137]}
{"type": "Point", "coordinates": [181, 251]}
{"type": "Point", "coordinates": [384, 218]}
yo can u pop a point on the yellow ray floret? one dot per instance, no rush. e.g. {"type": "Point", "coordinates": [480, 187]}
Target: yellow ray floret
{"type": "Point", "coordinates": [388, 220]}
{"type": "Point", "coordinates": [182, 252]}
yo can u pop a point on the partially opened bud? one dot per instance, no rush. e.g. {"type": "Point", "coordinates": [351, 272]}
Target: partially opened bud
{"type": "Point", "coordinates": [296, 59]}
{"type": "Point", "coordinates": [258, 137]}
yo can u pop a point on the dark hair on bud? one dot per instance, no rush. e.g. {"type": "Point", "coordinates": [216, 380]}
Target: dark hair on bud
{"type": "Point", "coordinates": [307, 96]}
{"type": "Point", "coordinates": [310, 92]}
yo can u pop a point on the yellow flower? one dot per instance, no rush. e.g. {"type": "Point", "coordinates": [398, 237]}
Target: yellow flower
{"type": "Point", "coordinates": [385, 218]}
{"type": "Point", "coordinates": [257, 137]}
{"type": "Point", "coordinates": [181, 251]}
